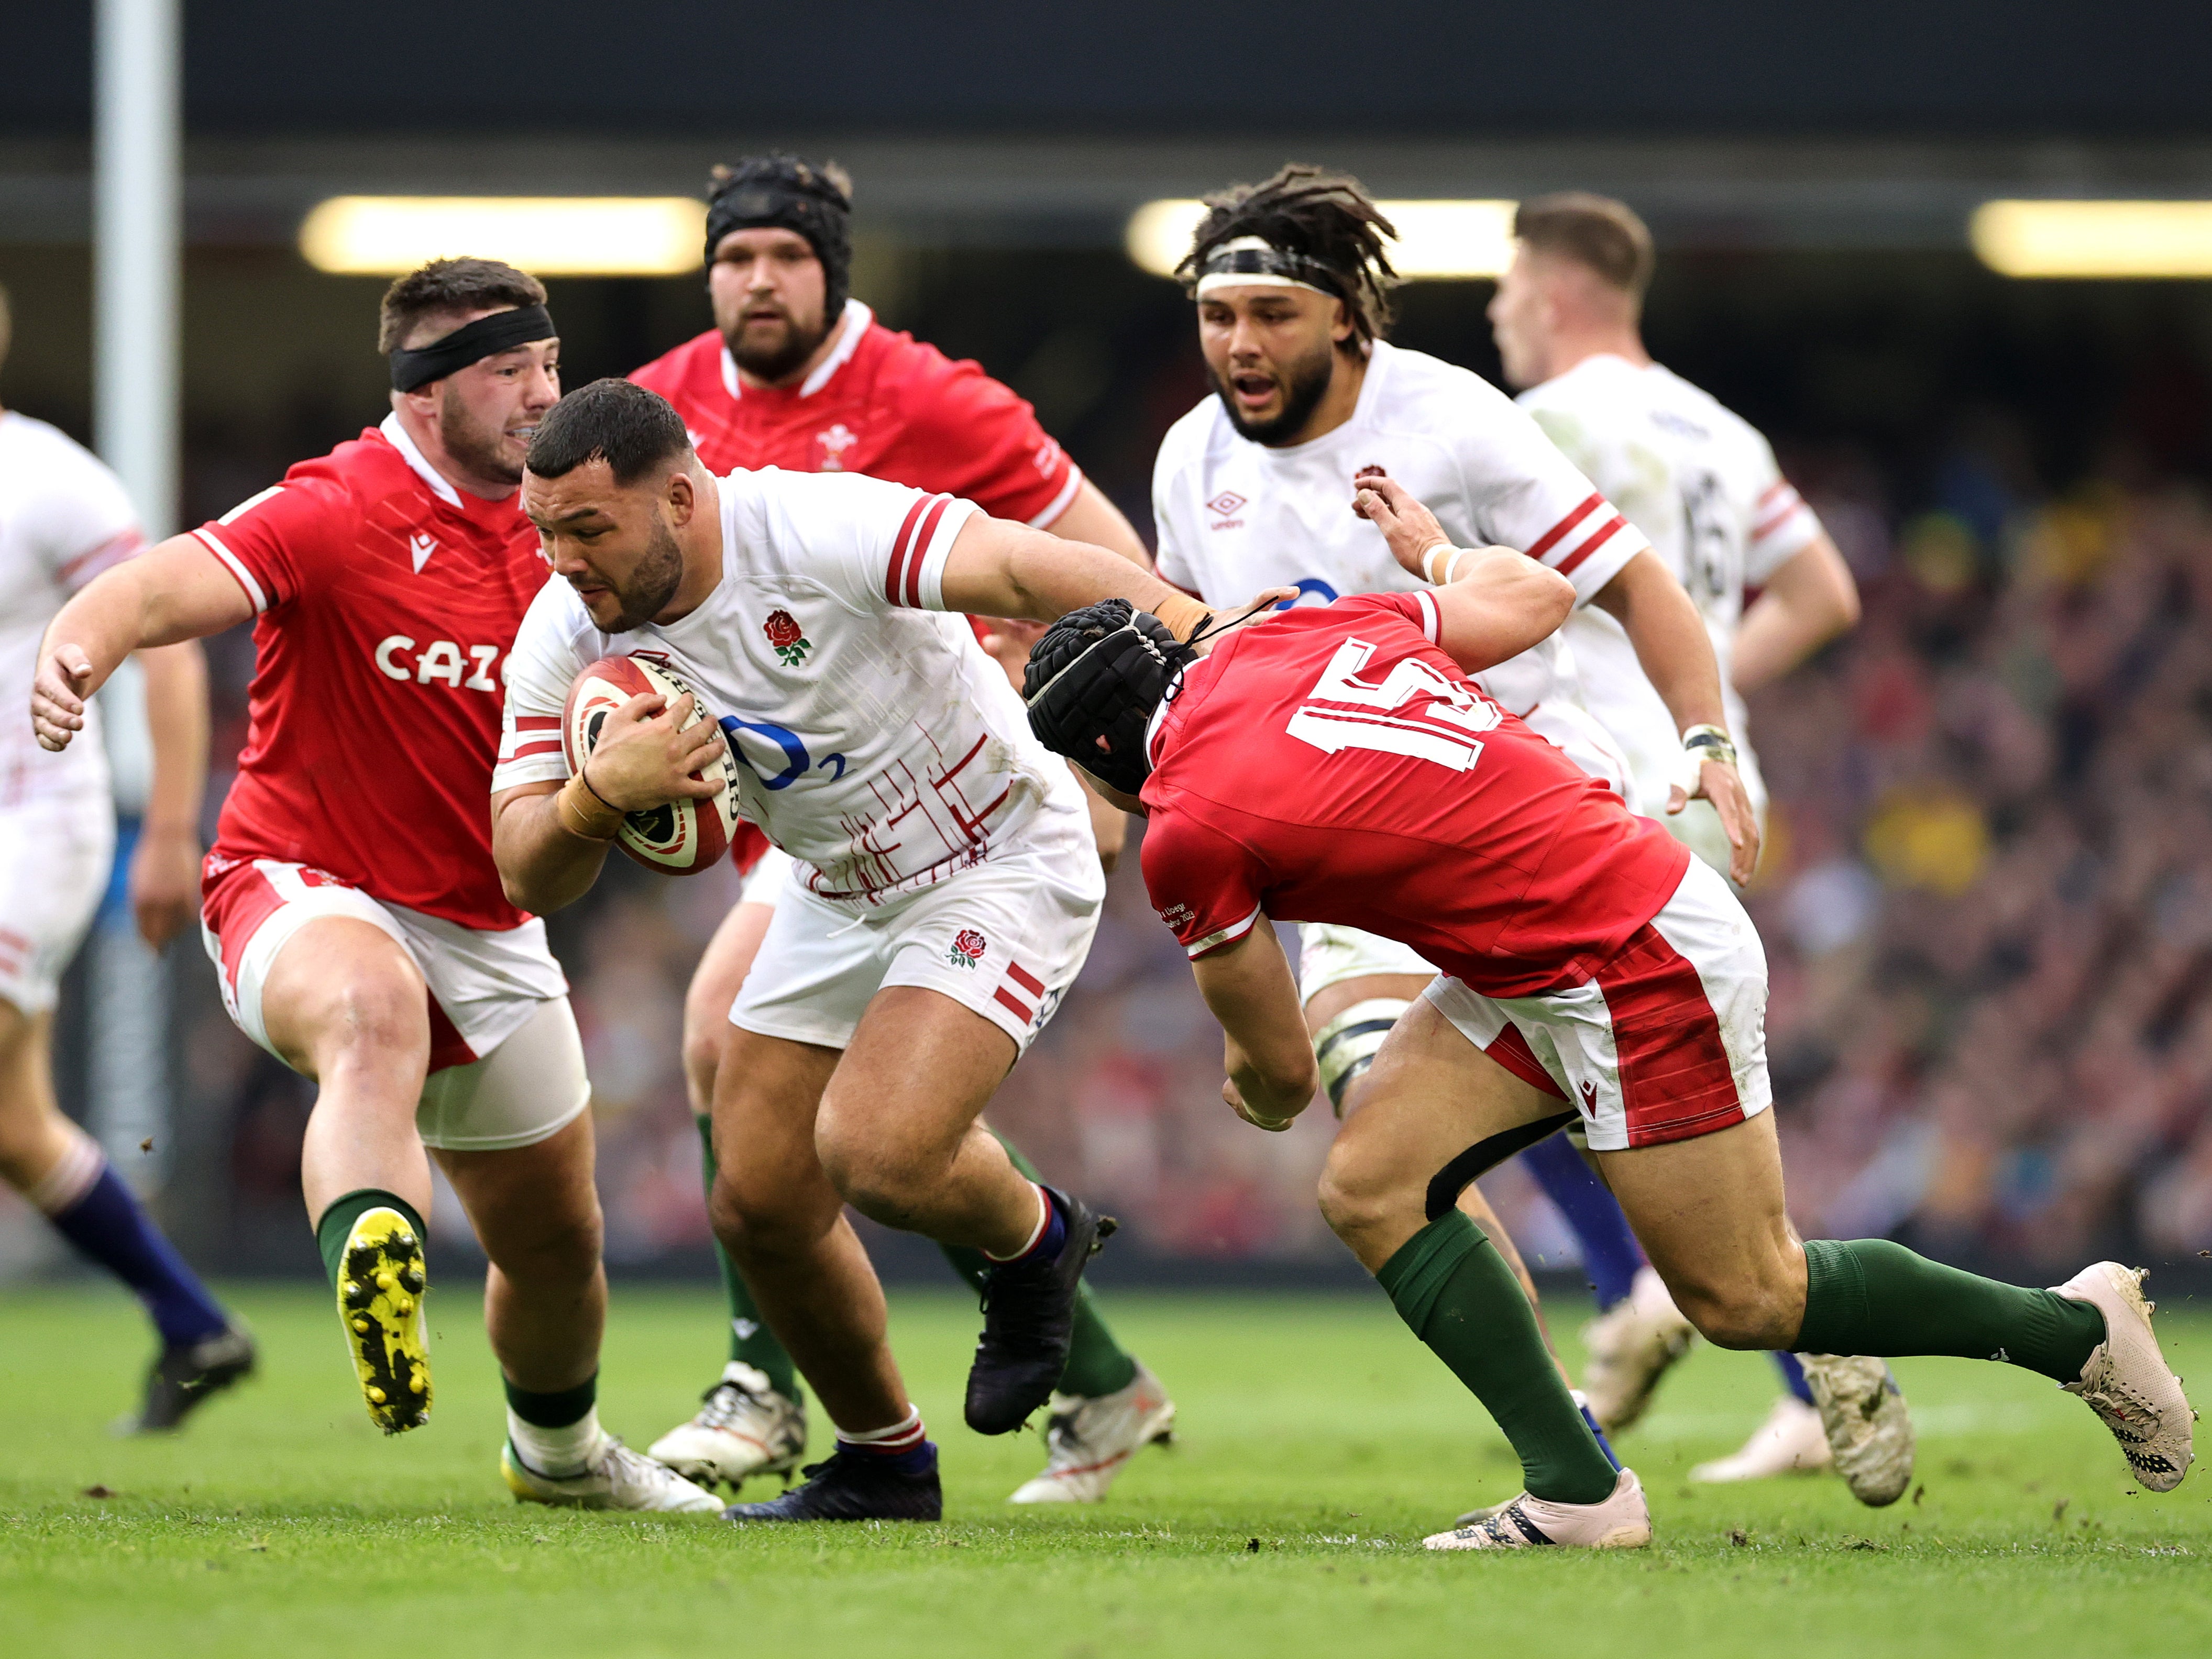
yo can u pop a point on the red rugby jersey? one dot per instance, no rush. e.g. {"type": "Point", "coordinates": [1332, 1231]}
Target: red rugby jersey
{"type": "Point", "coordinates": [387, 602]}
{"type": "Point", "coordinates": [1334, 765]}
{"type": "Point", "coordinates": [882, 403]}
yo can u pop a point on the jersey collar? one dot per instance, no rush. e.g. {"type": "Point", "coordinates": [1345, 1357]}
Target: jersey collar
{"type": "Point", "coordinates": [396, 435]}
{"type": "Point", "coordinates": [857, 319]}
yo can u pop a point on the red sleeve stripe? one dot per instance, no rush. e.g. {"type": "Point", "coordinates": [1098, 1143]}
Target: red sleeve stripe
{"type": "Point", "coordinates": [1022, 1012]}
{"type": "Point", "coordinates": [541, 746]}
{"type": "Point", "coordinates": [1061, 502]}
{"type": "Point", "coordinates": [920, 555]}
{"type": "Point", "coordinates": [230, 562]}
{"type": "Point", "coordinates": [1606, 532]}
{"type": "Point", "coordinates": [1553, 537]}
{"type": "Point", "coordinates": [1028, 981]}
{"type": "Point", "coordinates": [93, 560]}
{"type": "Point", "coordinates": [895, 572]}
{"type": "Point", "coordinates": [537, 722]}
{"type": "Point", "coordinates": [1773, 490]}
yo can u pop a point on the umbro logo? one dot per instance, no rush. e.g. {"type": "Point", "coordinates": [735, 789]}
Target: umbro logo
{"type": "Point", "coordinates": [1225, 504]}
{"type": "Point", "coordinates": [420, 547]}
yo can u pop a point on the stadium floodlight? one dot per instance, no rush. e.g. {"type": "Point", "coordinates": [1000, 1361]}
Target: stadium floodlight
{"type": "Point", "coordinates": [545, 235]}
{"type": "Point", "coordinates": [2094, 239]}
{"type": "Point", "coordinates": [1436, 239]}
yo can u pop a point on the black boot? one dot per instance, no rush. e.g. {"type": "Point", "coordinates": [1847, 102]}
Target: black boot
{"type": "Point", "coordinates": [1029, 1318]}
{"type": "Point", "coordinates": [853, 1485]}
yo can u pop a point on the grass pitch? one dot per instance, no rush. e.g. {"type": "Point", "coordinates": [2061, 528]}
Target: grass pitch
{"type": "Point", "coordinates": [1319, 1444]}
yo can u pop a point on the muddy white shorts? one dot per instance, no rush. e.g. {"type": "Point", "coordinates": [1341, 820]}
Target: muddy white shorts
{"type": "Point", "coordinates": [507, 1065]}
{"type": "Point", "coordinates": [54, 860]}
{"type": "Point", "coordinates": [1005, 938]}
{"type": "Point", "coordinates": [1668, 1041]}
{"type": "Point", "coordinates": [1329, 955]}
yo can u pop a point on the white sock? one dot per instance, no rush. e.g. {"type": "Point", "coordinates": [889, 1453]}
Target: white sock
{"type": "Point", "coordinates": [557, 1453]}
{"type": "Point", "coordinates": [1043, 1220]}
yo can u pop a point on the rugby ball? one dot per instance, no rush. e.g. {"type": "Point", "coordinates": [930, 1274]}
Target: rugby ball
{"type": "Point", "coordinates": [682, 837]}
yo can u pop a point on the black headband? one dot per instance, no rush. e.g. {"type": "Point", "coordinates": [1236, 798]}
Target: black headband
{"type": "Point", "coordinates": [1231, 260]}
{"type": "Point", "coordinates": [469, 344]}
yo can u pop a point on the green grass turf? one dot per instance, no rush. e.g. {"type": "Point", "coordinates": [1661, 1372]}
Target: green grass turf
{"type": "Point", "coordinates": [283, 1524]}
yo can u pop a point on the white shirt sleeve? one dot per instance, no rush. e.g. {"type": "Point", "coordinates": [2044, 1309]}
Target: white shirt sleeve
{"type": "Point", "coordinates": [1782, 525]}
{"type": "Point", "coordinates": [879, 546]}
{"type": "Point", "coordinates": [548, 654]}
{"type": "Point", "coordinates": [1526, 495]}
{"type": "Point", "coordinates": [1170, 563]}
{"type": "Point", "coordinates": [82, 521]}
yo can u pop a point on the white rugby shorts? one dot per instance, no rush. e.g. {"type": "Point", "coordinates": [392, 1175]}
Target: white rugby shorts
{"type": "Point", "coordinates": [506, 1065]}
{"type": "Point", "coordinates": [55, 854]}
{"type": "Point", "coordinates": [1576, 732]}
{"type": "Point", "coordinates": [1666, 1043]}
{"type": "Point", "coordinates": [765, 882]}
{"type": "Point", "coordinates": [1005, 938]}
{"type": "Point", "coordinates": [1329, 955]}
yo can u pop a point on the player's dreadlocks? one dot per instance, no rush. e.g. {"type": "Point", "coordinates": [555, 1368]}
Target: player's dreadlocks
{"type": "Point", "coordinates": [1328, 230]}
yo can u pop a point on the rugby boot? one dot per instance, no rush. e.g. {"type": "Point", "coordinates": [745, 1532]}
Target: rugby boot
{"type": "Point", "coordinates": [381, 1281]}
{"type": "Point", "coordinates": [855, 1486]}
{"type": "Point", "coordinates": [2126, 1380]}
{"type": "Point", "coordinates": [1621, 1521]}
{"type": "Point", "coordinates": [1029, 1318]}
{"type": "Point", "coordinates": [1090, 1441]}
{"type": "Point", "coordinates": [1629, 1347]}
{"type": "Point", "coordinates": [1792, 1439]}
{"type": "Point", "coordinates": [743, 1427]}
{"type": "Point", "coordinates": [1581, 1405]}
{"type": "Point", "coordinates": [1870, 1431]}
{"type": "Point", "coordinates": [613, 1478]}
{"type": "Point", "coordinates": [184, 1377]}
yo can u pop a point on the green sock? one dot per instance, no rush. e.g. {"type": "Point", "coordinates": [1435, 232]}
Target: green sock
{"type": "Point", "coordinates": [1870, 1296]}
{"type": "Point", "coordinates": [751, 1340]}
{"type": "Point", "coordinates": [1461, 1298]}
{"type": "Point", "coordinates": [1096, 1363]}
{"type": "Point", "coordinates": [336, 1223]}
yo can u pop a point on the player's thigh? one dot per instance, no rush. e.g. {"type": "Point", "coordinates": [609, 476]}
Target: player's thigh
{"type": "Point", "coordinates": [768, 1174]}
{"type": "Point", "coordinates": [1431, 1097]}
{"type": "Point", "coordinates": [1711, 1215]}
{"type": "Point", "coordinates": [527, 1090]}
{"type": "Point", "coordinates": [341, 990]}
{"type": "Point", "coordinates": [920, 1069]}
{"type": "Point", "coordinates": [715, 983]}
{"type": "Point", "coordinates": [533, 1207]}
{"type": "Point", "coordinates": [32, 1132]}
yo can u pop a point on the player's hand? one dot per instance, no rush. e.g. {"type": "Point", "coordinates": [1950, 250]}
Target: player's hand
{"type": "Point", "coordinates": [1718, 783]}
{"type": "Point", "coordinates": [58, 693]}
{"type": "Point", "coordinates": [1274, 1125]}
{"type": "Point", "coordinates": [165, 882]}
{"type": "Point", "coordinates": [1409, 528]}
{"type": "Point", "coordinates": [1008, 642]}
{"type": "Point", "coordinates": [642, 761]}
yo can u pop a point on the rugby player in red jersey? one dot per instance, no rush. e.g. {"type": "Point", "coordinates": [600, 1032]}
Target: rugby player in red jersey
{"type": "Point", "coordinates": [1589, 965]}
{"type": "Point", "coordinates": [796, 373]}
{"type": "Point", "coordinates": [350, 902]}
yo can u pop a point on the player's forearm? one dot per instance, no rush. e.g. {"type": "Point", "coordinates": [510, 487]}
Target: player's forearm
{"type": "Point", "coordinates": [106, 621]}
{"type": "Point", "coordinates": [1809, 601]}
{"type": "Point", "coordinates": [1090, 517]}
{"type": "Point", "coordinates": [999, 570]}
{"type": "Point", "coordinates": [1497, 605]}
{"type": "Point", "coordinates": [1670, 641]}
{"type": "Point", "coordinates": [177, 720]}
{"type": "Point", "coordinates": [1268, 1056]}
{"type": "Point", "coordinates": [544, 865]}
{"type": "Point", "coordinates": [166, 595]}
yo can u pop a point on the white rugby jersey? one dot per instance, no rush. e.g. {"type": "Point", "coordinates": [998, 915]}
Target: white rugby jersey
{"type": "Point", "coordinates": [63, 519]}
{"type": "Point", "coordinates": [1233, 516]}
{"type": "Point", "coordinates": [880, 744]}
{"type": "Point", "coordinates": [1702, 483]}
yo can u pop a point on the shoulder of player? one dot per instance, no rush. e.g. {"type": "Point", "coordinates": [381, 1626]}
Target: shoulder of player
{"type": "Point", "coordinates": [673, 367]}
{"type": "Point", "coordinates": [47, 462]}
{"type": "Point", "coordinates": [891, 367]}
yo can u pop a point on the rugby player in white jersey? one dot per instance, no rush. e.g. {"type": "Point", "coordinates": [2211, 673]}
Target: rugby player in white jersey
{"type": "Point", "coordinates": [63, 519]}
{"type": "Point", "coordinates": [1703, 485]}
{"type": "Point", "coordinates": [1254, 486]}
{"type": "Point", "coordinates": [946, 889]}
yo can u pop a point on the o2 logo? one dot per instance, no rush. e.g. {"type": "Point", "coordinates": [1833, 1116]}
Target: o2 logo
{"type": "Point", "coordinates": [785, 745]}
{"type": "Point", "coordinates": [1312, 588]}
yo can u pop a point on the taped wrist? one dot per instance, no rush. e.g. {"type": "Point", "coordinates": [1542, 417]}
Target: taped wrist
{"type": "Point", "coordinates": [1182, 615]}
{"type": "Point", "coordinates": [1346, 1046]}
{"type": "Point", "coordinates": [583, 814]}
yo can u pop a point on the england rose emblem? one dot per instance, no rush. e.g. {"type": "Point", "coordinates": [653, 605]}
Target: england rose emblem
{"type": "Point", "coordinates": [967, 948]}
{"type": "Point", "coordinates": [790, 641]}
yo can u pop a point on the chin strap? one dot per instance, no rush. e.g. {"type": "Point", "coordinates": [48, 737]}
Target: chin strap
{"type": "Point", "coordinates": [1346, 1047]}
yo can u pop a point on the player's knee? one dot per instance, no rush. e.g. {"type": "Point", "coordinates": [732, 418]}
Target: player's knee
{"type": "Point", "coordinates": [373, 1018]}
{"type": "Point", "coordinates": [1359, 1193]}
{"type": "Point", "coordinates": [1740, 1311]}
{"type": "Point", "coordinates": [702, 1056]}
{"type": "Point", "coordinates": [750, 1221]}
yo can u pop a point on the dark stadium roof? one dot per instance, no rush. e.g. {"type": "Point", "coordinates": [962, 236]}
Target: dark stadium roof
{"type": "Point", "coordinates": [1410, 67]}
